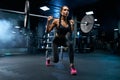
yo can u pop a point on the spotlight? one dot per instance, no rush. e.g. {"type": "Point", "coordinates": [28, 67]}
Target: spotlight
{"type": "Point", "coordinates": [89, 13]}
{"type": "Point", "coordinates": [17, 27]}
{"type": "Point", "coordinates": [95, 20]}
{"type": "Point", "coordinates": [78, 33]}
{"type": "Point", "coordinates": [44, 8]}
{"type": "Point", "coordinates": [42, 47]}
{"type": "Point", "coordinates": [116, 29]}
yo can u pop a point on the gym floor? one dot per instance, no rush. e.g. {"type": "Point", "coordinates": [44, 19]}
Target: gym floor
{"type": "Point", "coordinates": [98, 65]}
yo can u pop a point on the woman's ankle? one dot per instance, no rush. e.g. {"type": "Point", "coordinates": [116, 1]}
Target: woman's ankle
{"type": "Point", "coordinates": [71, 65]}
{"type": "Point", "coordinates": [48, 58]}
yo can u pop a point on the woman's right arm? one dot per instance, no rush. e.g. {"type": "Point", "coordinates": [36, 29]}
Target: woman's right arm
{"type": "Point", "coordinates": [49, 25]}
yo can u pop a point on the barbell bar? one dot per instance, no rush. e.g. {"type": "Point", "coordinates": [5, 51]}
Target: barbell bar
{"type": "Point", "coordinates": [86, 23]}
{"type": "Point", "coordinates": [23, 13]}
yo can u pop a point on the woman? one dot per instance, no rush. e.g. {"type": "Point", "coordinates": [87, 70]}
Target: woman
{"type": "Point", "coordinates": [64, 28]}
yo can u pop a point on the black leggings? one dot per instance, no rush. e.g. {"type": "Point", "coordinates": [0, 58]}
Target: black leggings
{"type": "Point", "coordinates": [62, 42]}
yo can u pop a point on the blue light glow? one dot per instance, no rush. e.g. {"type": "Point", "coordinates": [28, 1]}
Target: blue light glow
{"type": "Point", "coordinates": [78, 33]}
{"type": "Point", "coordinates": [56, 13]}
{"type": "Point", "coordinates": [56, 10]}
{"type": "Point", "coordinates": [5, 28]}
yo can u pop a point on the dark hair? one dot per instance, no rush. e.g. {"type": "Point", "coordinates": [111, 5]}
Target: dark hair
{"type": "Point", "coordinates": [61, 15]}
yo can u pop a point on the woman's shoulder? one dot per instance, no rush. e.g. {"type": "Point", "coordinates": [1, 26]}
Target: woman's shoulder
{"type": "Point", "coordinates": [56, 21]}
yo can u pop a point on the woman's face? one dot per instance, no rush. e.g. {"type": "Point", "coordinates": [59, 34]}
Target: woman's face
{"type": "Point", "coordinates": [65, 11]}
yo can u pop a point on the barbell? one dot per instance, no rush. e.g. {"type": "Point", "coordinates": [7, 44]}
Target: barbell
{"type": "Point", "coordinates": [86, 23]}
{"type": "Point", "coordinates": [26, 13]}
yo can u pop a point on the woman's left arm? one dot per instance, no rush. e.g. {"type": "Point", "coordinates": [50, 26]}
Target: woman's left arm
{"type": "Point", "coordinates": [72, 24]}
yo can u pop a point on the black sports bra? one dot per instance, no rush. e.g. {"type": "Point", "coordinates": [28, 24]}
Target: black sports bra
{"type": "Point", "coordinates": [62, 31]}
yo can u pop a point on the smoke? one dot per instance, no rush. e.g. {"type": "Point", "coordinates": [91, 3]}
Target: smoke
{"type": "Point", "coordinates": [12, 33]}
{"type": "Point", "coordinates": [5, 31]}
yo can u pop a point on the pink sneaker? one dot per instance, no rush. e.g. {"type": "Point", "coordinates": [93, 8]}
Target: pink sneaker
{"type": "Point", "coordinates": [73, 71]}
{"type": "Point", "coordinates": [48, 62]}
